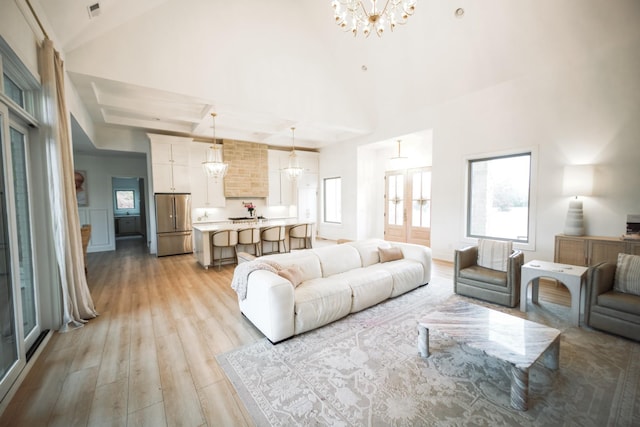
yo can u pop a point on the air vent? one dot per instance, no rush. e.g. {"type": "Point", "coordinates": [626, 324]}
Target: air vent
{"type": "Point", "coordinates": [94, 10]}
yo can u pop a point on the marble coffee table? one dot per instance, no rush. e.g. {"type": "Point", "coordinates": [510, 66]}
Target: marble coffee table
{"type": "Point", "coordinates": [517, 341]}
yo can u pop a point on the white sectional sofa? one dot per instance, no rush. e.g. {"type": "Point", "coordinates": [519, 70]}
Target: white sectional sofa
{"type": "Point", "coordinates": [335, 281]}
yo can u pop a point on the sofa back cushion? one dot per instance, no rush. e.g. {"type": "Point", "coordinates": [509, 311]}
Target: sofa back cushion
{"type": "Point", "coordinates": [494, 254]}
{"type": "Point", "coordinates": [368, 250]}
{"type": "Point", "coordinates": [627, 278]}
{"type": "Point", "coordinates": [338, 259]}
{"type": "Point", "coordinates": [307, 260]}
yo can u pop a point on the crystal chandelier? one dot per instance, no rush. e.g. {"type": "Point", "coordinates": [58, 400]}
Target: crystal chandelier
{"type": "Point", "coordinates": [352, 15]}
{"type": "Point", "coordinates": [293, 170]}
{"type": "Point", "coordinates": [213, 165]}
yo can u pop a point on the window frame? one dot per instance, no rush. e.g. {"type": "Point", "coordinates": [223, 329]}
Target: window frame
{"type": "Point", "coordinates": [117, 210]}
{"type": "Point", "coordinates": [530, 244]}
{"type": "Point", "coordinates": [324, 200]}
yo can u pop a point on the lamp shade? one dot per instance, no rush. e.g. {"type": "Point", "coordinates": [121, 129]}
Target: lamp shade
{"type": "Point", "coordinates": [578, 180]}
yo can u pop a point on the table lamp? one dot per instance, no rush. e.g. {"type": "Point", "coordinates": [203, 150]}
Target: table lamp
{"type": "Point", "coordinates": [578, 181]}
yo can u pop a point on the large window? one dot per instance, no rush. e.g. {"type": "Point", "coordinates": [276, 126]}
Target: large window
{"type": "Point", "coordinates": [332, 200]}
{"type": "Point", "coordinates": [499, 197]}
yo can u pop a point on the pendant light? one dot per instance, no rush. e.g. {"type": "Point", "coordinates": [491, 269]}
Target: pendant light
{"type": "Point", "coordinates": [213, 166]}
{"type": "Point", "coordinates": [293, 170]}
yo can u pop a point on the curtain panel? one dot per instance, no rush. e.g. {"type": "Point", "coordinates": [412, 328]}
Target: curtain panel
{"type": "Point", "coordinates": [78, 305]}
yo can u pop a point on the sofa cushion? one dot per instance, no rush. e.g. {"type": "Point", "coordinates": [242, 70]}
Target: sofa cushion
{"type": "Point", "coordinates": [368, 286]}
{"type": "Point", "coordinates": [368, 250]}
{"type": "Point", "coordinates": [407, 274]}
{"type": "Point", "coordinates": [390, 254]}
{"type": "Point", "coordinates": [627, 278]}
{"type": "Point", "coordinates": [307, 260]}
{"type": "Point", "coordinates": [292, 274]}
{"type": "Point", "coordinates": [320, 301]}
{"type": "Point", "coordinates": [494, 254]}
{"type": "Point", "coordinates": [338, 259]}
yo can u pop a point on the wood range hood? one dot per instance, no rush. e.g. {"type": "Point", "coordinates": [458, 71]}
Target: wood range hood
{"type": "Point", "coordinates": [248, 173]}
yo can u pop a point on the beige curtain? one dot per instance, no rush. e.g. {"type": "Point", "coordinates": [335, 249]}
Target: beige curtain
{"type": "Point", "coordinates": [77, 303]}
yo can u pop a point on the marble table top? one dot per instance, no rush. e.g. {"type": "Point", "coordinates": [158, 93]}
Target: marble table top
{"type": "Point", "coordinates": [517, 341]}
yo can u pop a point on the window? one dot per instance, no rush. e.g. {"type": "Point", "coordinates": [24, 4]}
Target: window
{"type": "Point", "coordinates": [13, 91]}
{"type": "Point", "coordinates": [332, 200]}
{"type": "Point", "coordinates": [499, 197]}
{"type": "Point", "coordinates": [125, 199]}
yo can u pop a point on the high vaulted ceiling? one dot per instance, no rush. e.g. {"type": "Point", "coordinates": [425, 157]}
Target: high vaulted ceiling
{"type": "Point", "coordinates": [264, 66]}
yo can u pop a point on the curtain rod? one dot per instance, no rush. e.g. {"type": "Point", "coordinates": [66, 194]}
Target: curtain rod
{"type": "Point", "coordinates": [33, 12]}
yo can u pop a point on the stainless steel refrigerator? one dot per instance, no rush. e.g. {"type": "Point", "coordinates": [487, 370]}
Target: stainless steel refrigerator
{"type": "Point", "coordinates": [173, 223]}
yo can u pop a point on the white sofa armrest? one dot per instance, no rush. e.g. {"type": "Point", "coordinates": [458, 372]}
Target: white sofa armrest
{"type": "Point", "coordinates": [269, 305]}
{"type": "Point", "coordinates": [419, 253]}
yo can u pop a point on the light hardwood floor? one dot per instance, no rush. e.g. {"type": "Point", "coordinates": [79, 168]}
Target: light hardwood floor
{"type": "Point", "coordinates": [149, 358]}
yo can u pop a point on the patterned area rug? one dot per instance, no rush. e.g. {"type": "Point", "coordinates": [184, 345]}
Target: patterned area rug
{"type": "Point", "coordinates": [365, 370]}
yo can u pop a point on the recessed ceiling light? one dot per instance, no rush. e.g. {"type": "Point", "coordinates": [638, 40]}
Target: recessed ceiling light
{"type": "Point", "coordinates": [363, 68]}
{"type": "Point", "coordinates": [459, 13]}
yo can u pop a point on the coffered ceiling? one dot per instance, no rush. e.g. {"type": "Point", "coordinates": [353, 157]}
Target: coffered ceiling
{"type": "Point", "coordinates": [264, 66]}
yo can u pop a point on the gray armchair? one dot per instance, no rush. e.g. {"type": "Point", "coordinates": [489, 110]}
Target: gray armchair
{"type": "Point", "coordinates": [472, 280]}
{"type": "Point", "coordinates": [609, 310]}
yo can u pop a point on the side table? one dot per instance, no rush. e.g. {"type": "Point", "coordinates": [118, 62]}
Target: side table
{"type": "Point", "coordinates": [572, 276]}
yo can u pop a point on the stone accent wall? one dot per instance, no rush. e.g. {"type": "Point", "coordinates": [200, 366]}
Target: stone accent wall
{"type": "Point", "coordinates": [248, 173]}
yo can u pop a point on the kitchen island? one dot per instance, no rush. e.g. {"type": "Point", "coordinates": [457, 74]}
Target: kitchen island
{"type": "Point", "coordinates": [202, 234]}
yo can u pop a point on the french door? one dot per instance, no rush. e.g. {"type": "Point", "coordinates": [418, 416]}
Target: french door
{"type": "Point", "coordinates": [408, 206]}
{"type": "Point", "coordinates": [12, 358]}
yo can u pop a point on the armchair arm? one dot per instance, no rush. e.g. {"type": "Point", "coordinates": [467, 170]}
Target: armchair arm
{"type": "Point", "coordinates": [462, 259]}
{"type": "Point", "coordinates": [514, 267]}
{"type": "Point", "coordinates": [600, 278]}
{"type": "Point", "coordinates": [465, 258]}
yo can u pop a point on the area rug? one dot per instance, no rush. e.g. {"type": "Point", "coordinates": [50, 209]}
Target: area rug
{"type": "Point", "coordinates": [364, 370]}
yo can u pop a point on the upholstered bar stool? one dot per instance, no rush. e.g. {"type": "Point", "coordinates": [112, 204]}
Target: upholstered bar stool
{"type": "Point", "coordinates": [275, 234]}
{"type": "Point", "coordinates": [250, 236]}
{"type": "Point", "coordinates": [224, 239]}
{"type": "Point", "coordinates": [300, 232]}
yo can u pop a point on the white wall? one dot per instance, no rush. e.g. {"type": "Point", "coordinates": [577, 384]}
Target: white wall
{"type": "Point", "coordinates": [99, 212]}
{"type": "Point", "coordinates": [585, 111]}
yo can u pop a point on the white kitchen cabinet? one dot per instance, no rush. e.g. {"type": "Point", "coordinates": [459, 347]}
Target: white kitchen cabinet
{"type": "Point", "coordinates": [205, 191]}
{"type": "Point", "coordinates": [170, 164]}
{"type": "Point", "coordinates": [168, 178]}
{"type": "Point", "coordinates": [280, 186]}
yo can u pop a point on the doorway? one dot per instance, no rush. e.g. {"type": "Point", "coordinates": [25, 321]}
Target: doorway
{"type": "Point", "coordinates": [408, 206]}
{"type": "Point", "coordinates": [129, 209]}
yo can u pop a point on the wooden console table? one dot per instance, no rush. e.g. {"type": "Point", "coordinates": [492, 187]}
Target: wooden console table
{"type": "Point", "coordinates": [586, 251]}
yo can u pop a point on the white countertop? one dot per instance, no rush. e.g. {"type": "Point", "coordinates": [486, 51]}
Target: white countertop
{"type": "Point", "coordinates": [216, 226]}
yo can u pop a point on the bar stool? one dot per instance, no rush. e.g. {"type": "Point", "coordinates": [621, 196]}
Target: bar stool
{"type": "Point", "coordinates": [300, 232]}
{"type": "Point", "coordinates": [250, 236]}
{"type": "Point", "coordinates": [272, 235]}
{"type": "Point", "coordinates": [224, 239]}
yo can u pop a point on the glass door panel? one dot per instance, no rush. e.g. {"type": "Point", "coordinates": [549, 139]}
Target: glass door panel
{"type": "Point", "coordinates": [9, 342]}
{"type": "Point", "coordinates": [419, 225]}
{"type": "Point", "coordinates": [395, 211]}
{"type": "Point", "coordinates": [23, 215]}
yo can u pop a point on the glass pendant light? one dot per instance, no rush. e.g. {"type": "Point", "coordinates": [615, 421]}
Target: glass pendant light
{"type": "Point", "coordinates": [293, 170]}
{"type": "Point", "coordinates": [213, 166]}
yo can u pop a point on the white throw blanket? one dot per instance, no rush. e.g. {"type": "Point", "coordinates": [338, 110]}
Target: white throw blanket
{"type": "Point", "coordinates": [243, 270]}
